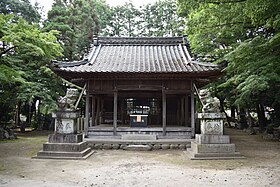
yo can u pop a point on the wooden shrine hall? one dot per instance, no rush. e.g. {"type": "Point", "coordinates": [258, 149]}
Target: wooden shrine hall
{"type": "Point", "coordinates": [140, 85]}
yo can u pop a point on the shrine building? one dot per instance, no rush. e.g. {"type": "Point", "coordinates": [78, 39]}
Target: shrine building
{"type": "Point", "coordinates": [139, 85]}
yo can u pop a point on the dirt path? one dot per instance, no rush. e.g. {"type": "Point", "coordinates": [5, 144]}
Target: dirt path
{"type": "Point", "coordinates": [155, 168]}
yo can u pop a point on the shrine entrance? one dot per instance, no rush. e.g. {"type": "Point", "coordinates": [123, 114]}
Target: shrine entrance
{"type": "Point", "coordinates": [141, 109]}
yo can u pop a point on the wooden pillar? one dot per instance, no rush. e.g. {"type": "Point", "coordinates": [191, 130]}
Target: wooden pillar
{"type": "Point", "coordinates": [182, 111]}
{"type": "Point", "coordinates": [186, 110]}
{"type": "Point", "coordinates": [93, 111]}
{"type": "Point", "coordinates": [97, 111]}
{"type": "Point", "coordinates": [163, 112]}
{"type": "Point", "coordinates": [115, 112]}
{"type": "Point", "coordinates": [101, 109]}
{"type": "Point", "coordinates": [192, 110]}
{"type": "Point", "coordinates": [178, 110]}
{"type": "Point", "coordinates": [122, 110]}
{"type": "Point", "coordinates": [87, 111]}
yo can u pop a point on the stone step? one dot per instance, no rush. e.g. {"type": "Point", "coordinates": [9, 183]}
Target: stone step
{"type": "Point", "coordinates": [104, 137]}
{"type": "Point", "coordinates": [65, 155]}
{"type": "Point", "coordinates": [137, 148]}
{"type": "Point", "coordinates": [138, 137]}
{"type": "Point", "coordinates": [213, 156]}
{"type": "Point", "coordinates": [94, 140]}
{"type": "Point", "coordinates": [175, 136]}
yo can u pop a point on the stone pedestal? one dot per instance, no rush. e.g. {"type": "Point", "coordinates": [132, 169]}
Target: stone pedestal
{"type": "Point", "coordinates": [66, 122]}
{"type": "Point", "coordinates": [211, 143]}
{"type": "Point", "coordinates": [65, 143]}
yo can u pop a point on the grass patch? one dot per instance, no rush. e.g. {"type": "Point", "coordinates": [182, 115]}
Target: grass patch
{"type": "Point", "coordinates": [2, 167]}
{"type": "Point", "coordinates": [10, 141]}
{"type": "Point", "coordinates": [31, 153]}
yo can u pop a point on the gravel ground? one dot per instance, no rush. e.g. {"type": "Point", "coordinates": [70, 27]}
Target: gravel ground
{"type": "Point", "coordinates": [126, 168]}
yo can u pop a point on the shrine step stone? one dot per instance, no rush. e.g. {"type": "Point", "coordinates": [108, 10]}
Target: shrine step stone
{"type": "Point", "coordinates": [138, 137]}
{"type": "Point", "coordinates": [213, 156]}
{"type": "Point", "coordinates": [138, 147]}
{"type": "Point", "coordinates": [65, 155]}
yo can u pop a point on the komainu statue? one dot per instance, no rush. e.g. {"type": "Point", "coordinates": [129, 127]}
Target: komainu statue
{"type": "Point", "coordinates": [68, 101]}
{"type": "Point", "coordinates": [210, 104]}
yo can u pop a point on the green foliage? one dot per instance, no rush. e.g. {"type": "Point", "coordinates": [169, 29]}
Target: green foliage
{"type": "Point", "coordinates": [25, 54]}
{"type": "Point", "coordinates": [158, 19]}
{"type": "Point", "coordinates": [21, 8]}
{"type": "Point", "coordinates": [77, 22]}
{"type": "Point", "coordinates": [124, 21]}
{"type": "Point", "coordinates": [244, 36]}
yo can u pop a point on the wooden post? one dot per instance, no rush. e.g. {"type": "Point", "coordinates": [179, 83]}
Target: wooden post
{"type": "Point", "coordinates": [192, 110]}
{"type": "Point", "coordinates": [182, 110]}
{"type": "Point", "coordinates": [98, 111]}
{"type": "Point", "coordinates": [115, 112]}
{"type": "Point", "coordinates": [122, 110]}
{"type": "Point", "coordinates": [186, 110]}
{"type": "Point", "coordinates": [101, 109]}
{"type": "Point", "coordinates": [178, 110]}
{"type": "Point", "coordinates": [163, 112]}
{"type": "Point", "coordinates": [87, 111]}
{"type": "Point", "coordinates": [93, 111]}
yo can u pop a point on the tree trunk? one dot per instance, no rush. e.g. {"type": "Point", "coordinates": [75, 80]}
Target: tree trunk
{"type": "Point", "coordinates": [17, 118]}
{"type": "Point", "coordinates": [29, 115]}
{"type": "Point", "coordinates": [19, 123]}
{"type": "Point", "coordinates": [232, 112]}
{"type": "Point", "coordinates": [261, 117]}
{"type": "Point", "coordinates": [39, 117]}
{"type": "Point", "coordinates": [250, 122]}
{"type": "Point", "coordinates": [243, 120]}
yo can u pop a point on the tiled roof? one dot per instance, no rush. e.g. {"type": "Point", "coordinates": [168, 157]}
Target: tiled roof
{"type": "Point", "coordinates": [138, 55]}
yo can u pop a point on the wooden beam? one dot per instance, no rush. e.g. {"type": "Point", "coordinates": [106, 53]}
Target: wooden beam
{"type": "Point", "coordinates": [115, 119]}
{"type": "Point", "coordinates": [163, 112]}
{"type": "Point", "coordinates": [80, 96]}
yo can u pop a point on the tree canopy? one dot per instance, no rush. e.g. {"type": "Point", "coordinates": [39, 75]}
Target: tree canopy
{"type": "Point", "coordinates": [25, 53]}
{"type": "Point", "coordinates": [77, 22]}
{"type": "Point", "coordinates": [157, 19]}
{"type": "Point", "coordinates": [244, 37]}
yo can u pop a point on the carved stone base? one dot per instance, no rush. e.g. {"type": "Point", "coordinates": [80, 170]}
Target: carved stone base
{"type": "Point", "coordinates": [212, 147]}
{"type": "Point", "coordinates": [65, 146]}
{"type": "Point", "coordinates": [212, 152]}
